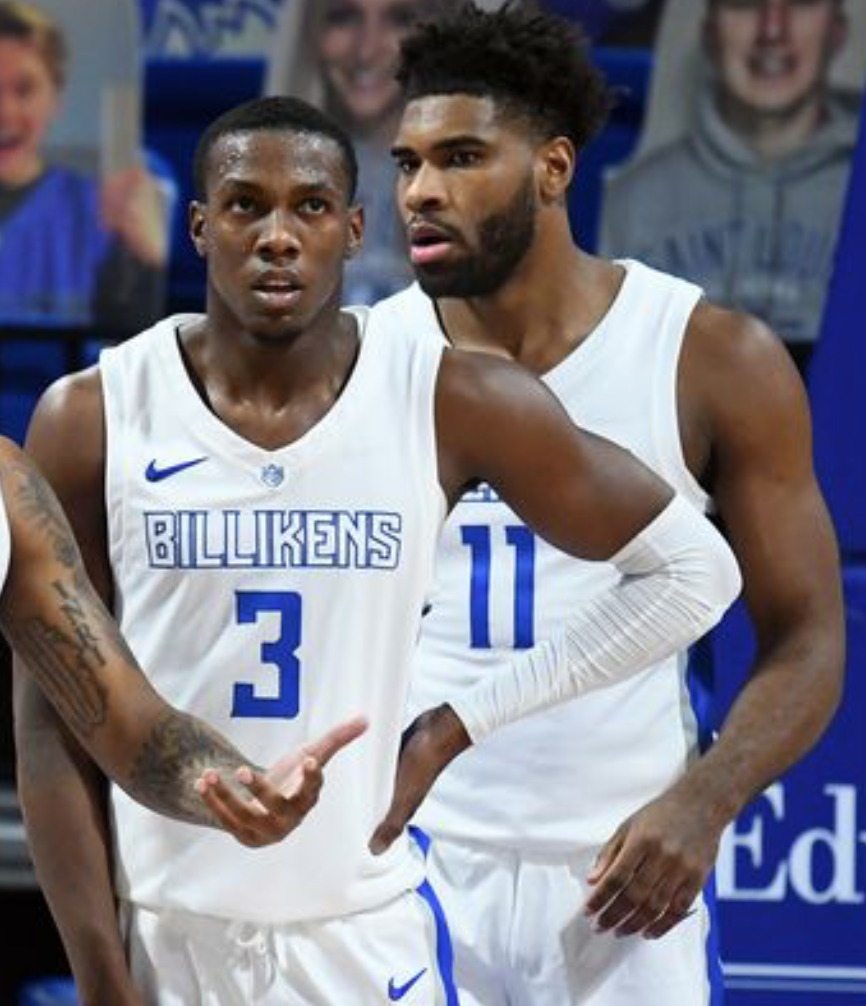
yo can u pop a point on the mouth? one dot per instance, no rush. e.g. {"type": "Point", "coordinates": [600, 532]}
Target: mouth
{"type": "Point", "coordinates": [277, 291]}
{"type": "Point", "coordinates": [371, 80]}
{"type": "Point", "coordinates": [10, 141]}
{"type": "Point", "coordinates": [771, 66]}
{"type": "Point", "coordinates": [429, 243]}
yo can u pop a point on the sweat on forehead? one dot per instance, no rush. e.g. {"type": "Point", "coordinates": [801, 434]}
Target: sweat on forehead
{"type": "Point", "coordinates": [295, 120]}
{"type": "Point", "coordinates": [308, 158]}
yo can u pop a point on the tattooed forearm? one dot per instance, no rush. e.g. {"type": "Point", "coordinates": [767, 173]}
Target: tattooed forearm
{"type": "Point", "coordinates": [65, 660]}
{"type": "Point", "coordinates": [178, 750]}
{"type": "Point", "coordinates": [38, 506]}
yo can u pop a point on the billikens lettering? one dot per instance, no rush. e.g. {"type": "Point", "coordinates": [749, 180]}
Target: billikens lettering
{"type": "Point", "coordinates": [273, 539]}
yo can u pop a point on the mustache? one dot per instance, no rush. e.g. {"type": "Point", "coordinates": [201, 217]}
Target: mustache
{"type": "Point", "coordinates": [417, 223]}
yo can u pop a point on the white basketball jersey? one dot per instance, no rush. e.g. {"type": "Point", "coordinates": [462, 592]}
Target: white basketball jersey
{"type": "Point", "coordinates": [5, 543]}
{"type": "Point", "coordinates": [274, 593]}
{"type": "Point", "coordinates": [565, 778]}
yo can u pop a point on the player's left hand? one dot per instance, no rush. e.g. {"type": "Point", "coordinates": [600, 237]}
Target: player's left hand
{"type": "Point", "coordinates": [280, 798]}
{"type": "Point", "coordinates": [434, 739]}
{"type": "Point", "coordinates": [647, 876]}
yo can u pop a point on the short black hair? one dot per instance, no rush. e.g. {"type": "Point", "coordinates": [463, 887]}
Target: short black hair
{"type": "Point", "coordinates": [533, 64]}
{"type": "Point", "coordinates": [273, 114]}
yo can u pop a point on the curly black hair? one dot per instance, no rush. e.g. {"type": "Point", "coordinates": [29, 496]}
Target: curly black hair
{"type": "Point", "coordinates": [532, 64]}
{"type": "Point", "coordinates": [273, 114]}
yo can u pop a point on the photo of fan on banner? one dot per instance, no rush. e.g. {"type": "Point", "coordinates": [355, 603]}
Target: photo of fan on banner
{"type": "Point", "coordinates": [740, 176]}
{"type": "Point", "coordinates": [83, 221]}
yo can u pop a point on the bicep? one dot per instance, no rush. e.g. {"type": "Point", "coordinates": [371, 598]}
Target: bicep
{"type": "Point", "coordinates": [583, 494]}
{"type": "Point", "coordinates": [767, 494]}
{"type": "Point", "coordinates": [781, 533]}
{"type": "Point", "coordinates": [66, 439]}
{"type": "Point", "coordinates": [66, 641]}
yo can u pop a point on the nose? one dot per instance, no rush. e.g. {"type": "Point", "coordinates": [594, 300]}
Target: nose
{"type": "Point", "coordinates": [276, 238]}
{"type": "Point", "coordinates": [370, 41]}
{"type": "Point", "coordinates": [424, 190]}
{"type": "Point", "coordinates": [773, 20]}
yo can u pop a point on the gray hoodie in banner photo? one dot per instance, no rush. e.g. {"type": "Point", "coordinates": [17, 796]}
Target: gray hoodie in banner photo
{"type": "Point", "coordinates": [757, 235]}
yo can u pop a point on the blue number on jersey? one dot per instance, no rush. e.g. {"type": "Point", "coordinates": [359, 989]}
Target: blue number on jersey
{"type": "Point", "coordinates": [281, 652]}
{"type": "Point", "coordinates": [477, 537]}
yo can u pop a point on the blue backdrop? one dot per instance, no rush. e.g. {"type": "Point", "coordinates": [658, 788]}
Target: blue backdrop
{"type": "Point", "coordinates": [792, 874]}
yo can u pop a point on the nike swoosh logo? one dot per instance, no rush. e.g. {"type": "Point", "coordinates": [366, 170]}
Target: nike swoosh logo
{"type": "Point", "coordinates": [396, 992]}
{"type": "Point", "coordinates": [154, 474]}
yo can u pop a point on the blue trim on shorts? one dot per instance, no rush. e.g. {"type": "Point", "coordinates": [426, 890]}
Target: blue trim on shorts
{"type": "Point", "coordinates": [701, 681]}
{"type": "Point", "coordinates": [714, 955]}
{"type": "Point", "coordinates": [444, 948]}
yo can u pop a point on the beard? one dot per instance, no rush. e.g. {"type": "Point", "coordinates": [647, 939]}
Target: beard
{"type": "Point", "coordinates": [504, 239]}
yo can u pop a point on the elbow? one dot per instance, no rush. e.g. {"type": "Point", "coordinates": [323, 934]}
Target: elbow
{"type": "Point", "coordinates": [833, 677]}
{"type": "Point", "coordinates": [729, 577]}
{"type": "Point", "coordinates": [722, 581]}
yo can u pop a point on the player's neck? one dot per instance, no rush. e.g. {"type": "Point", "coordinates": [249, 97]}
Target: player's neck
{"type": "Point", "coordinates": [553, 301]}
{"type": "Point", "coordinates": [272, 391]}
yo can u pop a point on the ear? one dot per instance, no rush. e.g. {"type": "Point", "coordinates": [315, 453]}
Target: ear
{"type": "Point", "coordinates": [356, 231]}
{"type": "Point", "coordinates": [557, 160]}
{"type": "Point", "coordinates": [198, 227]}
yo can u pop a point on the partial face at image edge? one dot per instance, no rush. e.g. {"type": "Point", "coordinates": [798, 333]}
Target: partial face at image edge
{"type": "Point", "coordinates": [28, 105]}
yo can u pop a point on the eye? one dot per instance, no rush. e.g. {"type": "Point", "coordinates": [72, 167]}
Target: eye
{"type": "Point", "coordinates": [342, 15]}
{"type": "Point", "coordinates": [314, 206]}
{"type": "Point", "coordinates": [405, 165]}
{"type": "Point", "coordinates": [241, 204]}
{"type": "Point", "coordinates": [463, 159]}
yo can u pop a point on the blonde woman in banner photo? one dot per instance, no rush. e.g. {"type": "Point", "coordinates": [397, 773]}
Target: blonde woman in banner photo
{"type": "Point", "coordinates": [340, 55]}
{"type": "Point", "coordinates": [83, 226]}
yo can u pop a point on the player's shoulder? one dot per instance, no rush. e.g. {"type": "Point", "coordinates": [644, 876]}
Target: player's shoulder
{"type": "Point", "coordinates": [408, 311]}
{"type": "Point", "coordinates": [66, 435]}
{"type": "Point", "coordinates": [733, 341]}
{"type": "Point", "coordinates": [486, 382]}
{"type": "Point", "coordinates": [733, 362]}
{"type": "Point", "coordinates": [72, 399]}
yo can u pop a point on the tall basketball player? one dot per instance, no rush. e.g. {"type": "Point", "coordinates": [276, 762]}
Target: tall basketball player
{"type": "Point", "coordinates": [597, 815]}
{"type": "Point", "coordinates": [275, 474]}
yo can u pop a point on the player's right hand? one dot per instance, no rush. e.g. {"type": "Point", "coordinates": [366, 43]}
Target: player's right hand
{"type": "Point", "coordinates": [432, 741]}
{"type": "Point", "coordinates": [280, 798]}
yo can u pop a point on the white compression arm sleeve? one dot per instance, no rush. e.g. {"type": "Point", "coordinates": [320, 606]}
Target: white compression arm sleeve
{"type": "Point", "coordinates": [678, 578]}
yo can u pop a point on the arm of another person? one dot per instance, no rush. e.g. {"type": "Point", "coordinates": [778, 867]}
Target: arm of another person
{"type": "Point", "coordinates": [592, 499]}
{"type": "Point", "coordinates": [62, 792]}
{"type": "Point", "coordinates": [745, 413]}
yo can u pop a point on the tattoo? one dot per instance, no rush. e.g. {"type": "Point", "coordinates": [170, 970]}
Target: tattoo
{"type": "Point", "coordinates": [69, 646]}
{"type": "Point", "coordinates": [38, 504]}
{"type": "Point", "coordinates": [178, 750]}
{"type": "Point", "coordinates": [65, 660]}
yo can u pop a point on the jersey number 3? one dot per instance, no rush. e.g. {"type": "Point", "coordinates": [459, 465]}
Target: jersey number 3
{"type": "Point", "coordinates": [280, 653]}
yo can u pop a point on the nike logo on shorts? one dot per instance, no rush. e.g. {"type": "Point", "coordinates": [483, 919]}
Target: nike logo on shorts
{"type": "Point", "coordinates": [396, 992]}
{"type": "Point", "coordinates": [154, 474]}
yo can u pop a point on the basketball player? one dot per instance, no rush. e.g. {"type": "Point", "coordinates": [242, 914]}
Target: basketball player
{"type": "Point", "coordinates": [276, 472]}
{"type": "Point", "coordinates": [597, 815]}
{"type": "Point", "coordinates": [50, 613]}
